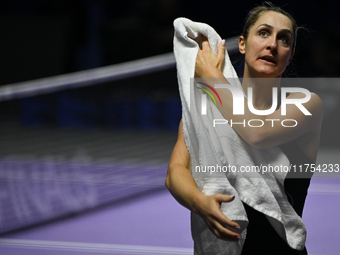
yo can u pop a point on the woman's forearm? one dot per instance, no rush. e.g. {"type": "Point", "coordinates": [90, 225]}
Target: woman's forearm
{"type": "Point", "coordinates": [249, 134]}
{"type": "Point", "coordinates": [183, 187]}
{"type": "Point", "coordinates": [261, 131]}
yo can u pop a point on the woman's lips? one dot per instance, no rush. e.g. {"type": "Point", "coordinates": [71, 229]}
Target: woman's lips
{"type": "Point", "coordinates": [268, 61]}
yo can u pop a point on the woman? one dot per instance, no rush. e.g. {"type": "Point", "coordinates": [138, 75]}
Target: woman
{"type": "Point", "coordinates": [268, 43]}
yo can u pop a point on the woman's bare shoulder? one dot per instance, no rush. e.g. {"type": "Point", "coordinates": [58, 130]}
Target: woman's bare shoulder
{"type": "Point", "coordinates": [314, 103]}
{"type": "Point", "coordinates": [314, 96]}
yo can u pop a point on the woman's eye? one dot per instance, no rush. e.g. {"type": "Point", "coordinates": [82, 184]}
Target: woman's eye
{"type": "Point", "coordinates": [284, 39]}
{"type": "Point", "coordinates": [263, 33]}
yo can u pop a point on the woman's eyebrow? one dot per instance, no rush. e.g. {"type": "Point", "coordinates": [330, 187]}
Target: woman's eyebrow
{"type": "Point", "coordinates": [271, 27]}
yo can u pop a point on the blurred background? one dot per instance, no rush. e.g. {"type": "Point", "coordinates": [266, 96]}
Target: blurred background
{"type": "Point", "coordinates": [100, 145]}
{"type": "Point", "coordinates": [47, 38]}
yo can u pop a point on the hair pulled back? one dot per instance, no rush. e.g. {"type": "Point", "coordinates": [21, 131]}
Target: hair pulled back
{"type": "Point", "coordinates": [256, 13]}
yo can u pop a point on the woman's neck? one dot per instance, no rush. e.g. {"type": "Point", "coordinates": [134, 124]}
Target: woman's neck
{"type": "Point", "coordinates": [262, 89]}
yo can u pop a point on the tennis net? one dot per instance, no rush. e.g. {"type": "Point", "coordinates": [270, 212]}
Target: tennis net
{"type": "Point", "coordinates": [78, 141]}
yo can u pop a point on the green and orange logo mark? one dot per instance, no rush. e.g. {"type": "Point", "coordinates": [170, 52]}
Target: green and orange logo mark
{"type": "Point", "coordinates": [209, 93]}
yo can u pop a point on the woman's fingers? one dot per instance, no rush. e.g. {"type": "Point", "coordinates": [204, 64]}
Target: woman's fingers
{"type": "Point", "coordinates": [225, 233]}
{"type": "Point", "coordinates": [224, 221]}
{"type": "Point", "coordinates": [221, 54]}
{"type": "Point", "coordinates": [218, 61]}
{"type": "Point", "coordinates": [209, 207]}
{"type": "Point", "coordinates": [221, 226]}
{"type": "Point", "coordinates": [205, 43]}
{"type": "Point", "coordinates": [221, 48]}
{"type": "Point", "coordinates": [223, 198]}
{"type": "Point", "coordinates": [221, 231]}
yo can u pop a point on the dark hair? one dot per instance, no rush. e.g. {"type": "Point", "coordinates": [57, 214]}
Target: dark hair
{"type": "Point", "coordinates": [256, 13]}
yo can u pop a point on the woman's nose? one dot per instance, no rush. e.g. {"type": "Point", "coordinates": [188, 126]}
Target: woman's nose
{"type": "Point", "coordinates": [272, 44]}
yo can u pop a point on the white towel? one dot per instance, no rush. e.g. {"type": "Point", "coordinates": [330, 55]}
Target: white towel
{"type": "Point", "coordinates": [209, 146]}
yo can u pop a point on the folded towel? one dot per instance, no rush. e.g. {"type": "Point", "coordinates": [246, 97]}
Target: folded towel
{"type": "Point", "coordinates": [222, 146]}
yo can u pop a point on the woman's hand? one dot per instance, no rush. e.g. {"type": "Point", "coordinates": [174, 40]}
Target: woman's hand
{"type": "Point", "coordinates": [184, 189]}
{"type": "Point", "coordinates": [208, 65]}
{"type": "Point", "coordinates": [208, 207]}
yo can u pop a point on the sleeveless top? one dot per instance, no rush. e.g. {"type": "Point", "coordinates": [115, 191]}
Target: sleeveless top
{"type": "Point", "coordinates": [261, 237]}
{"type": "Point", "coordinates": [298, 179]}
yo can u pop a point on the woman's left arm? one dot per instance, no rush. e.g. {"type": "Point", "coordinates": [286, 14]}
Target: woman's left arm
{"type": "Point", "coordinates": [272, 132]}
{"type": "Point", "coordinates": [278, 129]}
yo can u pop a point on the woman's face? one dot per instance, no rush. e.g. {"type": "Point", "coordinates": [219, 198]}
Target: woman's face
{"type": "Point", "coordinates": [268, 48]}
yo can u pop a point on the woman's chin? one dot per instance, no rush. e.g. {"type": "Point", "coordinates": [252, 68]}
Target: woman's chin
{"type": "Point", "coordinates": [266, 73]}
{"type": "Point", "coordinates": [262, 71]}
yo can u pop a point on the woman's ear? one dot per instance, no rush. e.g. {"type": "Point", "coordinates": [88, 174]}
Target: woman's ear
{"type": "Point", "coordinates": [242, 45]}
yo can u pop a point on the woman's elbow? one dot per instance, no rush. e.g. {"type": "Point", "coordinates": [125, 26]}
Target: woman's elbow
{"type": "Point", "coordinates": [168, 177]}
{"type": "Point", "coordinates": [167, 181]}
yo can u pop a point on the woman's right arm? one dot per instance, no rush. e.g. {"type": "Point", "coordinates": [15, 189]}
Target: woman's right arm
{"type": "Point", "coordinates": [184, 189]}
